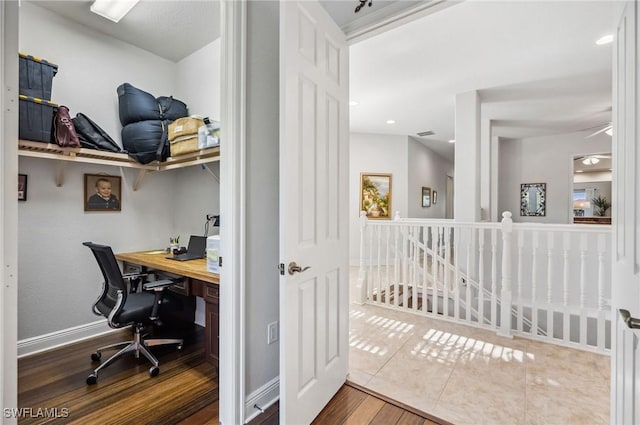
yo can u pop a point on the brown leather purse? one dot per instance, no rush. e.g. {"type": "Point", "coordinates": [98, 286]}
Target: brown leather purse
{"type": "Point", "coordinates": [64, 131]}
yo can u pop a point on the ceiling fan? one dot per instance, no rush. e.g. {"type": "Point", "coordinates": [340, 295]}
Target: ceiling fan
{"type": "Point", "coordinates": [591, 159]}
{"type": "Point", "coordinates": [602, 128]}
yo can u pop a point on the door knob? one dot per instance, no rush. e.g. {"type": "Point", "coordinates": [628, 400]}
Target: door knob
{"type": "Point", "coordinates": [631, 322]}
{"type": "Point", "coordinates": [294, 268]}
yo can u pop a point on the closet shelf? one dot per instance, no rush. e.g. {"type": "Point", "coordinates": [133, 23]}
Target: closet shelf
{"type": "Point", "coordinates": [91, 156]}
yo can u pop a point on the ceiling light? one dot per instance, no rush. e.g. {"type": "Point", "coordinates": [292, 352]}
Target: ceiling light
{"type": "Point", "coordinates": [579, 171]}
{"type": "Point", "coordinates": [452, 141]}
{"type": "Point", "coordinates": [605, 40]}
{"type": "Point", "coordinates": [353, 103]}
{"type": "Point", "coordinates": [114, 10]}
{"type": "Point", "coordinates": [391, 121]}
{"type": "Point", "coordinates": [590, 160]}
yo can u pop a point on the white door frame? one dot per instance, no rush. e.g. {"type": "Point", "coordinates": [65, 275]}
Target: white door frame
{"type": "Point", "coordinates": [9, 205]}
{"type": "Point", "coordinates": [232, 209]}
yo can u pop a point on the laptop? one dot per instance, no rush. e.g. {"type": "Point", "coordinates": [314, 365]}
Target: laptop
{"type": "Point", "coordinates": [196, 249]}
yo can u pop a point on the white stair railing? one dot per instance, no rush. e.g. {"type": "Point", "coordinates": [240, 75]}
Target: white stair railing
{"type": "Point", "coordinates": [547, 282]}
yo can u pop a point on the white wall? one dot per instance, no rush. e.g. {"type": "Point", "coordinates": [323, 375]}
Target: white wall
{"type": "Point", "coordinates": [375, 153]}
{"type": "Point", "coordinates": [426, 168]}
{"type": "Point", "coordinates": [262, 195]}
{"type": "Point", "coordinates": [199, 81]}
{"type": "Point", "coordinates": [547, 160]}
{"type": "Point", "coordinates": [58, 278]}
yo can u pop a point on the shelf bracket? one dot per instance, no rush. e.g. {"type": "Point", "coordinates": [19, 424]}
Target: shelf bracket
{"type": "Point", "coordinates": [206, 166]}
{"type": "Point", "coordinates": [138, 181]}
{"type": "Point", "coordinates": [60, 174]}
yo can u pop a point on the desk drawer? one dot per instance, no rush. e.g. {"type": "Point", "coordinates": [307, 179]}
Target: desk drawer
{"type": "Point", "coordinates": [211, 293]}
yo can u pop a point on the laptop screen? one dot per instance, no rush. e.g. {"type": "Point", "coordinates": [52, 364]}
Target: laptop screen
{"type": "Point", "coordinates": [197, 245]}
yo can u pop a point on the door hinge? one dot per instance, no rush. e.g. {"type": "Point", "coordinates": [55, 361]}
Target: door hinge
{"type": "Point", "coordinates": [281, 267]}
{"type": "Point", "coordinates": [219, 261]}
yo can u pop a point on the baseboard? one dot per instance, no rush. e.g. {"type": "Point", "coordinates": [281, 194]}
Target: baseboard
{"type": "Point", "coordinates": [263, 397]}
{"type": "Point", "coordinates": [51, 340]}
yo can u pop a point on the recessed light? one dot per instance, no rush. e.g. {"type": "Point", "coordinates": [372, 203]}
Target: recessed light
{"type": "Point", "coordinates": [605, 40]}
{"type": "Point", "coordinates": [353, 103]}
{"type": "Point", "coordinates": [579, 171]}
{"type": "Point", "coordinates": [391, 121]}
{"type": "Point", "coordinates": [452, 141]}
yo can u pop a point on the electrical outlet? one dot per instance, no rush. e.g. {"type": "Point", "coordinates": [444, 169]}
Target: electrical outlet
{"type": "Point", "coordinates": [272, 332]}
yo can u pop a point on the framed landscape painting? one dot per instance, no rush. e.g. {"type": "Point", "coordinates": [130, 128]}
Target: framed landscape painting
{"type": "Point", "coordinates": [375, 195]}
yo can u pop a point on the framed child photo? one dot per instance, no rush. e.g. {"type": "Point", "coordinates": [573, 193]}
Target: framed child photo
{"type": "Point", "coordinates": [102, 192]}
{"type": "Point", "coordinates": [22, 187]}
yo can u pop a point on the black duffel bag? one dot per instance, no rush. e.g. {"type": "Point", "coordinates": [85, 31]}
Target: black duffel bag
{"type": "Point", "coordinates": [146, 141]}
{"type": "Point", "coordinates": [136, 105]}
{"type": "Point", "coordinates": [92, 136]}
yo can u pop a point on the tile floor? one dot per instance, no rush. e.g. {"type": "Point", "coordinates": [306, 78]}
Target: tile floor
{"type": "Point", "coordinates": [472, 376]}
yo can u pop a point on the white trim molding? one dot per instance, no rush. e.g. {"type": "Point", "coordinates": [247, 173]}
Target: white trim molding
{"type": "Point", "coordinates": [232, 201]}
{"type": "Point", "coordinates": [259, 400]}
{"type": "Point", "coordinates": [9, 205]}
{"type": "Point", "coordinates": [37, 344]}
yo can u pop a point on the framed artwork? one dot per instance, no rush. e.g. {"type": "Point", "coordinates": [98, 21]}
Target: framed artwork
{"type": "Point", "coordinates": [22, 187]}
{"type": "Point", "coordinates": [426, 197]}
{"type": "Point", "coordinates": [434, 197]}
{"type": "Point", "coordinates": [102, 192]}
{"type": "Point", "coordinates": [533, 199]}
{"type": "Point", "coordinates": [375, 195]}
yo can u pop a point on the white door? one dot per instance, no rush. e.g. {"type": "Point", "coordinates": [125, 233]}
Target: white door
{"type": "Point", "coordinates": [625, 359]}
{"type": "Point", "coordinates": [313, 210]}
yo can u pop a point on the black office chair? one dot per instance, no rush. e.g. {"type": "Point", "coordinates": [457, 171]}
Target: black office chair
{"type": "Point", "coordinates": [123, 308]}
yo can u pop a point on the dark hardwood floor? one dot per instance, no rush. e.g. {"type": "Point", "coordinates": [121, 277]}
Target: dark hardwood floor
{"type": "Point", "coordinates": [185, 393]}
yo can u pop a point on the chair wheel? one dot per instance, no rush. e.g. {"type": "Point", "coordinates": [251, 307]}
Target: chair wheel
{"type": "Point", "coordinates": [96, 356]}
{"type": "Point", "coordinates": [92, 379]}
{"type": "Point", "coordinates": [154, 371]}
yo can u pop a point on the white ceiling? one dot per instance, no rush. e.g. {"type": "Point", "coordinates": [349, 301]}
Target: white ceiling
{"type": "Point", "coordinates": [534, 63]}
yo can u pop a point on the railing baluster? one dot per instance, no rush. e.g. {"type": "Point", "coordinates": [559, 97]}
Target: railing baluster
{"type": "Point", "coordinates": [387, 265]}
{"type": "Point", "coordinates": [425, 267]}
{"type": "Point", "coordinates": [396, 268]}
{"type": "Point", "coordinates": [405, 266]}
{"type": "Point", "coordinates": [494, 278]}
{"type": "Point", "coordinates": [481, 277]}
{"type": "Point", "coordinates": [378, 265]}
{"type": "Point", "coordinates": [445, 271]}
{"type": "Point", "coordinates": [601, 300]}
{"type": "Point", "coordinates": [434, 270]}
{"type": "Point", "coordinates": [550, 242]}
{"type": "Point", "coordinates": [416, 257]}
{"type": "Point", "coordinates": [534, 282]}
{"type": "Point", "coordinates": [370, 273]}
{"type": "Point", "coordinates": [520, 277]}
{"type": "Point", "coordinates": [362, 284]}
{"type": "Point", "coordinates": [583, 286]}
{"type": "Point", "coordinates": [456, 268]}
{"type": "Point", "coordinates": [566, 317]}
{"type": "Point", "coordinates": [469, 301]}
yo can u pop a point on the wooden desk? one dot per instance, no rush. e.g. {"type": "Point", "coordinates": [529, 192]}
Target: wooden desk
{"type": "Point", "coordinates": [197, 282]}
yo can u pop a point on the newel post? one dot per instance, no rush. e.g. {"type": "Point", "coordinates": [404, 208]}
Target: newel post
{"type": "Point", "coordinates": [360, 290]}
{"type": "Point", "coordinates": [505, 293]}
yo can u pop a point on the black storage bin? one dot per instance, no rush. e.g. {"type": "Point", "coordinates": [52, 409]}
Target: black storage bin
{"type": "Point", "coordinates": [36, 119]}
{"type": "Point", "coordinates": [36, 76]}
